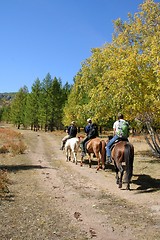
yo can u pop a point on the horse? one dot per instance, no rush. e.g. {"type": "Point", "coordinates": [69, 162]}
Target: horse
{"type": "Point", "coordinates": [97, 147]}
{"type": "Point", "coordinates": [72, 147]}
{"type": "Point", "coordinates": [123, 151]}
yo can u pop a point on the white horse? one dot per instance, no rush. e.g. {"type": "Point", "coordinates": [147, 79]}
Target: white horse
{"type": "Point", "coordinates": [71, 147]}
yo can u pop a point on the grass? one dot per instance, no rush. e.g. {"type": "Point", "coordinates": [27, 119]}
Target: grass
{"type": "Point", "coordinates": [11, 142]}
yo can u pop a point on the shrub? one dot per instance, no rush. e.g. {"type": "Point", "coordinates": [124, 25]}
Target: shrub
{"type": "Point", "coordinates": [4, 149]}
{"type": "Point", "coordinates": [18, 147]}
{"type": "Point", "coordinates": [11, 141]}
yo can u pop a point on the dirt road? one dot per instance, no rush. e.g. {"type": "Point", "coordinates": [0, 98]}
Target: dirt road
{"type": "Point", "coordinates": [53, 199]}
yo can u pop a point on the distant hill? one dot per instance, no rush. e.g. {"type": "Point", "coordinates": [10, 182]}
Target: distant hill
{"type": "Point", "coordinates": [6, 98]}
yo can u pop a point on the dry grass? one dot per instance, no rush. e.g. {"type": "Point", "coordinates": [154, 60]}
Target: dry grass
{"type": "Point", "coordinates": [11, 142]}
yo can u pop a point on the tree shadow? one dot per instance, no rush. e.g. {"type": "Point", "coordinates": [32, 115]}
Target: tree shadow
{"type": "Point", "coordinates": [152, 161]}
{"type": "Point", "coordinates": [7, 195]}
{"type": "Point", "coordinates": [16, 168]}
{"type": "Point", "coordinates": [146, 183]}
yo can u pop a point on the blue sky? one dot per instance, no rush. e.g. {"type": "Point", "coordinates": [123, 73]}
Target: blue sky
{"type": "Point", "coordinates": [53, 36]}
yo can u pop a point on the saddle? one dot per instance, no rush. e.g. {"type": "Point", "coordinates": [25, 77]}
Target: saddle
{"type": "Point", "coordinates": [119, 140]}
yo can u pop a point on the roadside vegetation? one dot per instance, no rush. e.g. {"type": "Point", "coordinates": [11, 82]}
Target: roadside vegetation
{"type": "Point", "coordinates": [11, 144]}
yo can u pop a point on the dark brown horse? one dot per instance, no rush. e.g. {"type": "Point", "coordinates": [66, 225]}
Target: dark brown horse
{"type": "Point", "coordinates": [123, 151]}
{"type": "Point", "coordinates": [96, 146]}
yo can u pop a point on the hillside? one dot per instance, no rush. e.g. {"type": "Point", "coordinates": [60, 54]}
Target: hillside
{"type": "Point", "coordinates": [6, 98]}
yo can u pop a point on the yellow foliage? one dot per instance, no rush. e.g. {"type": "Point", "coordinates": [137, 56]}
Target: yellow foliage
{"type": "Point", "coordinates": [121, 76]}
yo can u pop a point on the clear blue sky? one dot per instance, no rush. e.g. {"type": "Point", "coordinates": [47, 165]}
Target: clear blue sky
{"type": "Point", "coordinates": [53, 36]}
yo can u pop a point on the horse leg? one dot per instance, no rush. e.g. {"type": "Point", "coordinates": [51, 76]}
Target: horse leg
{"type": "Point", "coordinates": [67, 154]}
{"type": "Point", "coordinates": [90, 160]}
{"type": "Point", "coordinates": [117, 178]}
{"type": "Point", "coordinates": [128, 186]}
{"type": "Point", "coordinates": [117, 171]}
{"type": "Point", "coordinates": [103, 164]}
{"type": "Point", "coordinates": [103, 154]}
{"type": "Point", "coordinates": [127, 181]}
{"type": "Point", "coordinates": [75, 157]}
{"type": "Point", "coordinates": [121, 175]}
{"type": "Point", "coordinates": [99, 162]}
{"type": "Point", "coordinates": [81, 163]}
{"type": "Point", "coordinates": [98, 167]}
{"type": "Point", "coordinates": [102, 160]}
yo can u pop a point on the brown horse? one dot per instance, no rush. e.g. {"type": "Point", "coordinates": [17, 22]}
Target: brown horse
{"type": "Point", "coordinates": [123, 151]}
{"type": "Point", "coordinates": [96, 146]}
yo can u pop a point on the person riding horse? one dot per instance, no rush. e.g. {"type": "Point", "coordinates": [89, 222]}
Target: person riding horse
{"type": "Point", "coordinates": [120, 132]}
{"type": "Point", "coordinates": [72, 132]}
{"type": "Point", "coordinates": [91, 131]}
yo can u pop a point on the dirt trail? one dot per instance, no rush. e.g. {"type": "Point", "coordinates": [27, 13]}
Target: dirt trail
{"type": "Point", "coordinates": [56, 199]}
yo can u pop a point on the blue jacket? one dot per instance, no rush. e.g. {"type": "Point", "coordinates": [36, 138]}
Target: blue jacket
{"type": "Point", "coordinates": [87, 129]}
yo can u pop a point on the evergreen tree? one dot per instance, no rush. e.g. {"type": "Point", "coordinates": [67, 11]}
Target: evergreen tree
{"type": "Point", "coordinates": [32, 114]}
{"type": "Point", "coordinates": [18, 107]}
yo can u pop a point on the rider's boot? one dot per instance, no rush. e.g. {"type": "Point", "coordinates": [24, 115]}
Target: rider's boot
{"type": "Point", "coordinates": [108, 160]}
{"type": "Point", "coordinates": [62, 146]}
{"type": "Point", "coordinates": [83, 154]}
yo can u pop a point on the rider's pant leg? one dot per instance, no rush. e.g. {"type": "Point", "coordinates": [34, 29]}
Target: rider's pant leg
{"type": "Point", "coordinates": [109, 145]}
{"type": "Point", "coordinates": [83, 144]}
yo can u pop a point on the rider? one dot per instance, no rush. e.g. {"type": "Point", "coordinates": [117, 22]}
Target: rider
{"type": "Point", "coordinates": [91, 131]}
{"type": "Point", "coordinates": [120, 131]}
{"type": "Point", "coordinates": [71, 132]}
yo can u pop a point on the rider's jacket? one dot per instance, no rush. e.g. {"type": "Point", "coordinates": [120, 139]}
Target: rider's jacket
{"type": "Point", "coordinates": [72, 131]}
{"type": "Point", "coordinates": [93, 132]}
{"type": "Point", "coordinates": [87, 129]}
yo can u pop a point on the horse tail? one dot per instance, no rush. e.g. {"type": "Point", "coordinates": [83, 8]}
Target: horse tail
{"type": "Point", "coordinates": [129, 157]}
{"type": "Point", "coordinates": [103, 151]}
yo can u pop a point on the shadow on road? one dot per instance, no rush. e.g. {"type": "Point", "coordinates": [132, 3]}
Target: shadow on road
{"type": "Point", "coordinates": [15, 168]}
{"type": "Point", "coordinates": [146, 183]}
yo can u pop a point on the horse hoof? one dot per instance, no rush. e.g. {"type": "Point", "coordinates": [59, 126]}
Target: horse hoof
{"type": "Point", "coordinates": [103, 167]}
{"type": "Point", "coordinates": [120, 185]}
